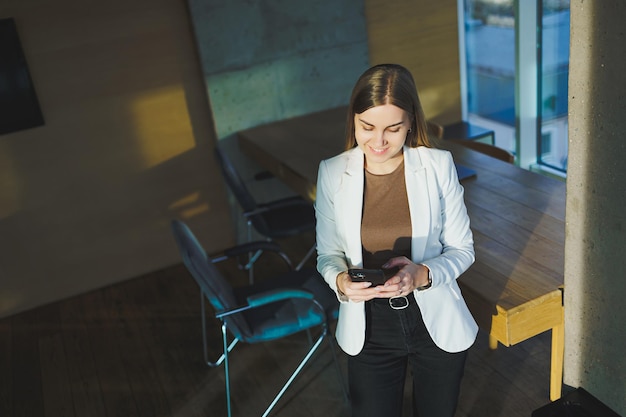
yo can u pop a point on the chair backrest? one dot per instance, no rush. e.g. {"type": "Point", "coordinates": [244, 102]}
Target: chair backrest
{"type": "Point", "coordinates": [487, 149]}
{"type": "Point", "coordinates": [234, 181]}
{"type": "Point", "coordinates": [211, 282]}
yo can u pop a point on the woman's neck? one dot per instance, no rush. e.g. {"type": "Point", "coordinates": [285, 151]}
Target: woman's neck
{"type": "Point", "coordinates": [383, 168]}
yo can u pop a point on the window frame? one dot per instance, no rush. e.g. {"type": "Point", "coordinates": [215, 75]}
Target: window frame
{"type": "Point", "coordinates": [528, 81]}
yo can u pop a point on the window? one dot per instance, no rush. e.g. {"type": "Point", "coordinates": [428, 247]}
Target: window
{"type": "Point", "coordinates": [545, 144]}
{"type": "Point", "coordinates": [516, 85]}
{"type": "Point", "coordinates": [554, 70]}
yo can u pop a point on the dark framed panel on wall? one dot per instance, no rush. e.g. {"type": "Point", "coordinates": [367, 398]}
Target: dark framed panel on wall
{"type": "Point", "coordinates": [19, 106]}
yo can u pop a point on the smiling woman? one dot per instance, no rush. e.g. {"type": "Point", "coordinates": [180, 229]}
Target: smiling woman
{"type": "Point", "coordinates": [381, 136]}
{"type": "Point", "coordinates": [392, 201]}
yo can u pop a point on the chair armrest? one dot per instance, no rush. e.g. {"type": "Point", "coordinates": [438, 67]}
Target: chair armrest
{"type": "Point", "coordinates": [273, 296]}
{"type": "Point", "coordinates": [269, 297]}
{"type": "Point", "coordinates": [285, 202]}
{"type": "Point", "coordinates": [263, 175]}
{"type": "Point", "coordinates": [246, 248]}
{"type": "Point", "coordinates": [259, 246]}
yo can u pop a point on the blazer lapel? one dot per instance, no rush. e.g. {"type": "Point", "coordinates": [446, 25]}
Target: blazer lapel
{"type": "Point", "coordinates": [419, 195]}
{"type": "Point", "coordinates": [349, 201]}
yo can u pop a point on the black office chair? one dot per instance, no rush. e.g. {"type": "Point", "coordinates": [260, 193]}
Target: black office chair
{"type": "Point", "coordinates": [281, 218]}
{"type": "Point", "coordinates": [290, 303]}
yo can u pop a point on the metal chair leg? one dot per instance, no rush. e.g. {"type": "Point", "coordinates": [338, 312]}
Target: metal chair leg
{"type": "Point", "coordinates": [226, 368]}
{"type": "Point", "coordinates": [230, 347]}
{"type": "Point", "coordinates": [296, 372]}
{"type": "Point", "coordinates": [306, 258]}
{"type": "Point", "coordinates": [250, 260]}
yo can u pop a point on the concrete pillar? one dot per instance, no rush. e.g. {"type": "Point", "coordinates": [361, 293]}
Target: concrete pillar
{"type": "Point", "coordinates": [595, 251]}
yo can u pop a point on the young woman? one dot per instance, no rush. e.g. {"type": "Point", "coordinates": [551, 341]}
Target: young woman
{"type": "Point", "coordinates": [392, 201]}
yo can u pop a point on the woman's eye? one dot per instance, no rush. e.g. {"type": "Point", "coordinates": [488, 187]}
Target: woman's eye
{"type": "Point", "coordinates": [367, 128]}
{"type": "Point", "coordinates": [394, 130]}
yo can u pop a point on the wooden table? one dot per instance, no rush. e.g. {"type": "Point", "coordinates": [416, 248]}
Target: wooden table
{"type": "Point", "coordinates": [514, 289]}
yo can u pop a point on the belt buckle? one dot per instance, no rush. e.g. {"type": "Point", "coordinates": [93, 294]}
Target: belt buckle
{"type": "Point", "coordinates": [399, 303]}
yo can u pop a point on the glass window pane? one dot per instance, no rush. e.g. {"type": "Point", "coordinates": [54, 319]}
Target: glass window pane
{"type": "Point", "coordinates": [490, 55]}
{"type": "Point", "coordinates": [554, 74]}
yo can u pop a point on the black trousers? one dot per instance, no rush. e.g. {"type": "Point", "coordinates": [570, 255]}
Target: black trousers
{"type": "Point", "coordinates": [396, 340]}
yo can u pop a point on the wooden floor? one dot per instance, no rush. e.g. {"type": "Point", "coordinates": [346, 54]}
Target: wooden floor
{"type": "Point", "coordinates": [134, 349]}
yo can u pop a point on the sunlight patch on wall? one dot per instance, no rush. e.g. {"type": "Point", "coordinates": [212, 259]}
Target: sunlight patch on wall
{"type": "Point", "coordinates": [439, 99]}
{"type": "Point", "coordinates": [171, 134]}
{"type": "Point", "coordinates": [189, 206]}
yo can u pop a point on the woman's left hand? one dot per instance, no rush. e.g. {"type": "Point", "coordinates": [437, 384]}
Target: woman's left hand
{"type": "Point", "coordinates": [408, 278]}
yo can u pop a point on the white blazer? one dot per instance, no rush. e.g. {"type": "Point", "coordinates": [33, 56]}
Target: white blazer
{"type": "Point", "coordinates": [441, 240]}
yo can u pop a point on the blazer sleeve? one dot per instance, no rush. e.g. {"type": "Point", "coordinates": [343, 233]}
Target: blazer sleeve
{"type": "Point", "coordinates": [455, 237]}
{"type": "Point", "coordinates": [331, 259]}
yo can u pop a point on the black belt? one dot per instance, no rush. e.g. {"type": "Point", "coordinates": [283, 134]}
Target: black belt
{"type": "Point", "coordinates": [396, 303]}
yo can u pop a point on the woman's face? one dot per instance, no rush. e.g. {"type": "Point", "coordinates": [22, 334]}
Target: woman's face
{"type": "Point", "coordinates": [380, 133]}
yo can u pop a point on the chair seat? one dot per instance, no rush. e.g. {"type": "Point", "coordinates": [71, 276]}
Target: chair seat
{"type": "Point", "coordinates": [287, 221]}
{"type": "Point", "coordinates": [283, 318]}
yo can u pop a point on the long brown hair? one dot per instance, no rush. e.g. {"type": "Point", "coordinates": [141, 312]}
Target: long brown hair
{"type": "Point", "coordinates": [388, 84]}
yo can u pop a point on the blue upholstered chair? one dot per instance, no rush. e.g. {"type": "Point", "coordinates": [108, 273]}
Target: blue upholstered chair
{"type": "Point", "coordinates": [274, 308]}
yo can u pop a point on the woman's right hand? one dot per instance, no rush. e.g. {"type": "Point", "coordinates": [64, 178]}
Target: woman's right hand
{"type": "Point", "coordinates": [356, 291]}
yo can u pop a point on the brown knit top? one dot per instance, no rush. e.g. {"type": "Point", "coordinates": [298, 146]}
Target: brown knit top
{"type": "Point", "coordinates": [386, 221]}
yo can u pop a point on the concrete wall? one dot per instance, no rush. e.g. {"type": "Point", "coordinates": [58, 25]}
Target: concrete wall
{"type": "Point", "coordinates": [595, 261]}
{"type": "Point", "coordinates": [267, 60]}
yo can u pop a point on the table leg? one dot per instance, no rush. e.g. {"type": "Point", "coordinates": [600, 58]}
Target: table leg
{"type": "Point", "coordinates": [493, 342]}
{"type": "Point", "coordinates": [556, 360]}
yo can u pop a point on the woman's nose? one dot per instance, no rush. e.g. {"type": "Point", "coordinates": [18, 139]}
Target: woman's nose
{"type": "Point", "coordinates": [379, 138]}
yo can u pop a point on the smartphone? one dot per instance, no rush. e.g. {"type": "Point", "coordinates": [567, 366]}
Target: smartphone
{"type": "Point", "coordinates": [375, 276]}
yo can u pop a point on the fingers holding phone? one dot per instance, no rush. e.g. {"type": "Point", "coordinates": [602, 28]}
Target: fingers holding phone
{"type": "Point", "coordinates": [375, 280]}
{"type": "Point", "coordinates": [375, 276]}
{"type": "Point", "coordinates": [356, 290]}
